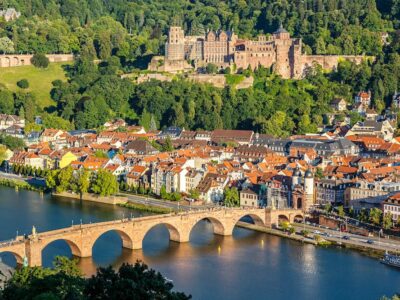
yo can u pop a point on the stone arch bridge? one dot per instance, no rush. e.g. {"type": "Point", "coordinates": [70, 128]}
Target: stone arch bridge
{"type": "Point", "coordinates": [81, 238]}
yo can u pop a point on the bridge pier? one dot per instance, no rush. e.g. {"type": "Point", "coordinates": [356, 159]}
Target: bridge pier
{"type": "Point", "coordinates": [179, 237]}
{"type": "Point", "coordinates": [33, 253]}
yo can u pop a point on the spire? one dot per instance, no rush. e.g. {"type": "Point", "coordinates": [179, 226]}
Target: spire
{"type": "Point", "coordinates": [281, 29]}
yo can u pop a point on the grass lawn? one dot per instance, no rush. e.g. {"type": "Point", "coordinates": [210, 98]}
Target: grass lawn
{"type": "Point", "coordinates": [39, 80]}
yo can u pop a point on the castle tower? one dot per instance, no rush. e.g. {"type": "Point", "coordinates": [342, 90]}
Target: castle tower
{"type": "Point", "coordinates": [175, 46]}
{"type": "Point", "coordinates": [308, 190]}
{"type": "Point", "coordinates": [283, 45]}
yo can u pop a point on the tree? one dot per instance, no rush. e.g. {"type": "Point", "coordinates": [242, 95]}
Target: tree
{"type": "Point", "coordinates": [194, 194]}
{"type": "Point", "coordinates": [65, 179]}
{"type": "Point", "coordinates": [100, 154]}
{"type": "Point", "coordinates": [328, 208]}
{"type": "Point", "coordinates": [65, 281]}
{"type": "Point", "coordinates": [211, 68]}
{"type": "Point", "coordinates": [23, 84]}
{"type": "Point", "coordinates": [340, 210]}
{"type": "Point", "coordinates": [12, 143]}
{"type": "Point", "coordinates": [167, 145]}
{"type": "Point", "coordinates": [143, 283]}
{"type": "Point", "coordinates": [83, 181]}
{"type": "Point", "coordinates": [231, 197]}
{"type": "Point", "coordinates": [319, 173]}
{"type": "Point", "coordinates": [52, 179]}
{"type": "Point", "coordinates": [6, 102]}
{"type": "Point", "coordinates": [105, 183]}
{"type": "Point", "coordinates": [285, 225]}
{"type": "Point", "coordinates": [387, 221]}
{"type": "Point", "coordinates": [54, 121]}
{"type": "Point", "coordinates": [163, 192]}
{"type": "Point", "coordinates": [375, 216]}
{"type": "Point", "coordinates": [3, 154]}
{"type": "Point", "coordinates": [363, 216]}
{"type": "Point", "coordinates": [6, 45]}
{"type": "Point", "coordinates": [39, 60]}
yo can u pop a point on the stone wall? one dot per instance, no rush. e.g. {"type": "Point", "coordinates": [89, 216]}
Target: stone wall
{"type": "Point", "coordinates": [219, 80]}
{"type": "Point", "coordinates": [17, 60]}
{"type": "Point", "coordinates": [330, 62]}
{"type": "Point", "coordinates": [112, 200]}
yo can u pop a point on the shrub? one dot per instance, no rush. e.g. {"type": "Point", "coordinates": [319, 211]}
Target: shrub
{"type": "Point", "coordinates": [40, 60]}
{"type": "Point", "coordinates": [23, 84]}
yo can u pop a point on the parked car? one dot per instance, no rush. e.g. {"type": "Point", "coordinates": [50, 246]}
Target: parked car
{"type": "Point", "coordinates": [346, 237]}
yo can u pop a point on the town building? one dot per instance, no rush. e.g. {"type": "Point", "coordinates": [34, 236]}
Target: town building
{"type": "Point", "coordinates": [382, 129]}
{"type": "Point", "coordinates": [392, 205]}
{"type": "Point", "coordinates": [339, 104]}
{"type": "Point", "coordinates": [366, 194]}
{"type": "Point", "coordinates": [7, 121]}
{"type": "Point", "coordinates": [254, 196]}
{"type": "Point", "coordinates": [364, 98]}
{"type": "Point", "coordinates": [331, 191]}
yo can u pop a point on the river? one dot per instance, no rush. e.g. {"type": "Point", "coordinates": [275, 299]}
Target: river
{"type": "Point", "coordinates": [248, 265]}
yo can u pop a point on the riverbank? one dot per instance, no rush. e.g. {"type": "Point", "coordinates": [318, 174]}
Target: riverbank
{"type": "Point", "coordinates": [145, 208]}
{"type": "Point", "coordinates": [277, 233]}
{"type": "Point", "coordinates": [19, 184]}
{"type": "Point", "coordinates": [111, 200]}
{"type": "Point", "coordinates": [370, 250]}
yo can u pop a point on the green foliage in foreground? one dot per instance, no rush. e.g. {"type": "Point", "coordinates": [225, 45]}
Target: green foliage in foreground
{"type": "Point", "coordinates": [395, 297]}
{"type": "Point", "coordinates": [65, 281]}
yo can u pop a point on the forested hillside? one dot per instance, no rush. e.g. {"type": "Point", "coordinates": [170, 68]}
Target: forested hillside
{"type": "Point", "coordinates": [135, 28]}
{"type": "Point", "coordinates": [126, 33]}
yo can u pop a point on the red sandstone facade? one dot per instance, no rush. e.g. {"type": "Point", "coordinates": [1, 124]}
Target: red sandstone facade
{"type": "Point", "coordinates": [225, 49]}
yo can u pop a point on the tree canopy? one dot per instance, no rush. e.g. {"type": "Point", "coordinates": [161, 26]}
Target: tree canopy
{"type": "Point", "coordinates": [65, 281]}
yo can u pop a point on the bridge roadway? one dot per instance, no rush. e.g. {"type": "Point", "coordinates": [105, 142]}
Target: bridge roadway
{"type": "Point", "coordinates": [81, 238]}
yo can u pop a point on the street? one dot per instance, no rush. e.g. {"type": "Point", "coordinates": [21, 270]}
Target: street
{"type": "Point", "coordinates": [163, 203]}
{"type": "Point", "coordinates": [349, 238]}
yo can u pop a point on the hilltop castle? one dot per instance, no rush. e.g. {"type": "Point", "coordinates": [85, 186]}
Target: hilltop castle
{"type": "Point", "coordinates": [225, 48]}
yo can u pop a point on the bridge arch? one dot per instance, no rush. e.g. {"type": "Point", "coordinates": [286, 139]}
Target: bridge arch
{"type": "Point", "coordinates": [125, 238]}
{"type": "Point", "coordinates": [218, 227]}
{"type": "Point", "coordinates": [175, 233]}
{"type": "Point", "coordinates": [298, 218]}
{"type": "Point", "coordinates": [74, 247]}
{"type": "Point", "coordinates": [257, 220]}
{"type": "Point", "coordinates": [283, 218]}
{"type": "Point", "coordinates": [18, 257]}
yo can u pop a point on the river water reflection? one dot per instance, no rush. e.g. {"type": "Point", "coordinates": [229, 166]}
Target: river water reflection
{"type": "Point", "coordinates": [248, 265]}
